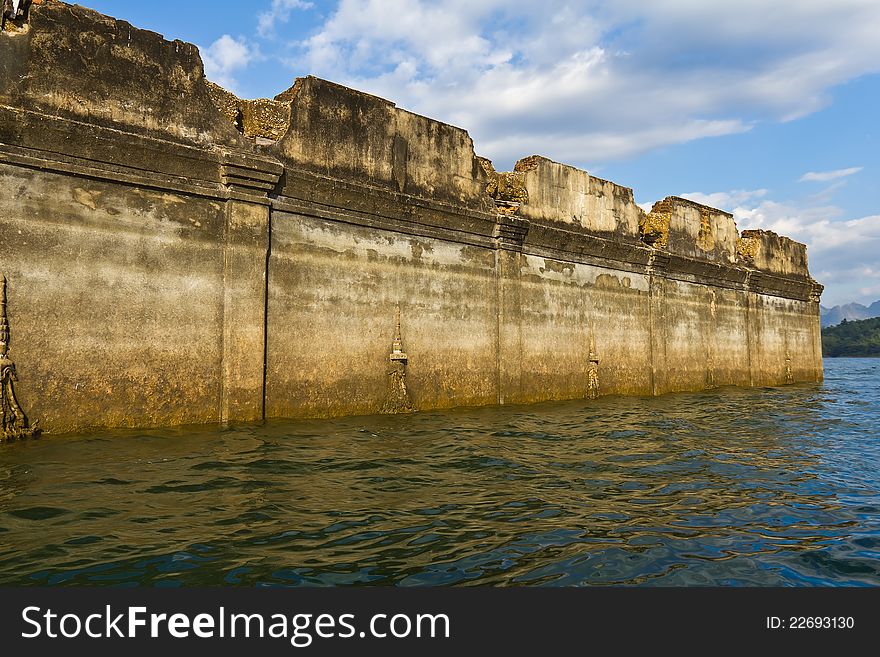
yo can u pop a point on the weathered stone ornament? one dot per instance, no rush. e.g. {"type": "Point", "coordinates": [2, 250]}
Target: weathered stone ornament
{"type": "Point", "coordinates": [789, 378]}
{"type": "Point", "coordinates": [397, 398]}
{"type": "Point", "coordinates": [593, 372]}
{"type": "Point", "coordinates": [13, 421]}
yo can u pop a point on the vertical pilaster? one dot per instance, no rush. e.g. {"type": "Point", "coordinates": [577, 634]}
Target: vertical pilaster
{"type": "Point", "coordinates": [751, 328]}
{"type": "Point", "coordinates": [710, 338]}
{"type": "Point", "coordinates": [510, 234]}
{"type": "Point", "coordinates": [657, 317]}
{"type": "Point", "coordinates": [758, 372]}
{"type": "Point", "coordinates": [245, 260]}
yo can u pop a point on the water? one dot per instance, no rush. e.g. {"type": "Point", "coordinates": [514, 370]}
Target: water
{"type": "Point", "coordinates": [772, 486]}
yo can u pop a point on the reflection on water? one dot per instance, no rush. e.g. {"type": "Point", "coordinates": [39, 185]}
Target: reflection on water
{"type": "Point", "coordinates": [773, 486]}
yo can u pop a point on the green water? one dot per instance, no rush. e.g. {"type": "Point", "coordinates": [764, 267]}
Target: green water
{"type": "Point", "coordinates": [770, 486]}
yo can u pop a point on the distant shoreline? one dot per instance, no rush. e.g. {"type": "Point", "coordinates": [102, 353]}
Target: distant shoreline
{"type": "Point", "coordinates": [852, 339]}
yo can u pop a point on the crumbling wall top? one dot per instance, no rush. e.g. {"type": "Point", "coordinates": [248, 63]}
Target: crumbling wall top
{"type": "Point", "coordinates": [73, 63]}
{"type": "Point", "coordinates": [691, 229]}
{"type": "Point", "coordinates": [547, 191]}
{"type": "Point", "coordinates": [263, 120]}
{"type": "Point", "coordinates": [70, 61]}
{"type": "Point", "coordinates": [766, 251]}
{"type": "Point", "coordinates": [349, 134]}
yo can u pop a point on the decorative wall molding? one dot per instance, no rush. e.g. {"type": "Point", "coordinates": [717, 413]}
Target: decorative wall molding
{"type": "Point", "coordinates": [13, 422]}
{"type": "Point", "coordinates": [592, 370]}
{"type": "Point", "coordinates": [397, 399]}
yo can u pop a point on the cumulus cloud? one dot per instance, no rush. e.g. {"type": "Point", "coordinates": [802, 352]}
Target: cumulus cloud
{"type": "Point", "coordinates": [226, 56]}
{"type": "Point", "coordinates": [590, 82]}
{"type": "Point", "coordinates": [727, 200]}
{"type": "Point", "coordinates": [278, 12]}
{"type": "Point", "coordinates": [825, 176]}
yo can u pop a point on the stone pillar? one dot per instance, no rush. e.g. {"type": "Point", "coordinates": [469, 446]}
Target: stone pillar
{"type": "Point", "coordinates": [762, 369]}
{"type": "Point", "coordinates": [751, 332]}
{"type": "Point", "coordinates": [657, 290]}
{"type": "Point", "coordinates": [510, 234]}
{"type": "Point", "coordinates": [711, 337]}
{"type": "Point", "coordinates": [248, 181]}
{"type": "Point", "coordinates": [815, 297]}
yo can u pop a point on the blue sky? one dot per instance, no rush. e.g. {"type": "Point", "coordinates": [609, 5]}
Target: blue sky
{"type": "Point", "coordinates": [767, 110]}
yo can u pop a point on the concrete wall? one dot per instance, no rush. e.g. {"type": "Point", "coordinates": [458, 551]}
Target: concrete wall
{"type": "Point", "coordinates": [102, 278]}
{"type": "Point", "coordinates": [174, 261]}
{"type": "Point", "coordinates": [333, 293]}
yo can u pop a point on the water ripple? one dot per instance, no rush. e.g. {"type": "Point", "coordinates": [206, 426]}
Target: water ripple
{"type": "Point", "coordinates": [769, 486]}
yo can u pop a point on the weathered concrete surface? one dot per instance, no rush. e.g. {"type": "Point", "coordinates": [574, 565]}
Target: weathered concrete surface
{"type": "Point", "coordinates": [692, 230]}
{"type": "Point", "coordinates": [361, 137]}
{"type": "Point", "coordinates": [766, 251]}
{"type": "Point", "coordinates": [176, 255]}
{"type": "Point", "coordinates": [114, 300]}
{"type": "Point", "coordinates": [561, 193]}
{"type": "Point", "coordinates": [333, 290]}
{"type": "Point", "coordinates": [74, 62]}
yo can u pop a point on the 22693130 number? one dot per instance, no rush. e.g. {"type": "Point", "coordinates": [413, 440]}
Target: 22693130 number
{"type": "Point", "coordinates": [821, 623]}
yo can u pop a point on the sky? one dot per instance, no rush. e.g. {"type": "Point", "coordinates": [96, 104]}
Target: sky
{"type": "Point", "coordinates": [766, 110]}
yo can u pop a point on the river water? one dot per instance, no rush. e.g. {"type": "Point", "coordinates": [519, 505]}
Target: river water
{"type": "Point", "coordinates": [768, 486]}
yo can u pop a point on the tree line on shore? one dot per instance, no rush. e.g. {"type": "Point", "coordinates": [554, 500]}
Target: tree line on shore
{"type": "Point", "coordinates": [856, 338]}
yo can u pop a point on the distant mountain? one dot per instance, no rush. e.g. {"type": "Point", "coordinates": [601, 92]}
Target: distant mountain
{"type": "Point", "coordinates": [850, 311]}
{"type": "Point", "coordinates": [852, 338]}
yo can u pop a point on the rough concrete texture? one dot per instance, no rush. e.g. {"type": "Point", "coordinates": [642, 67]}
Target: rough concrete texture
{"type": "Point", "coordinates": [175, 254]}
{"type": "Point", "coordinates": [561, 193]}
{"type": "Point", "coordinates": [346, 134]}
{"type": "Point", "coordinates": [260, 118]}
{"type": "Point", "coordinates": [774, 253]}
{"type": "Point", "coordinates": [115, 296]}
{"type": "Point", "coordinates": [691, 229]}
{"type": "Point", "coordinates": [74, 62]}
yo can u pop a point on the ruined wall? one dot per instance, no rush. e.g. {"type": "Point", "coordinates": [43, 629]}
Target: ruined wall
{"type": "Point", "coordinates": [176, 255]}
{"type": "Point", "coordinates": [561, 193]}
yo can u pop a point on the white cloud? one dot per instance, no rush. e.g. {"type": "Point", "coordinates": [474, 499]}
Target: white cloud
{"type": "Point", "coordinates": [226, 56]}
{"type": "Point", "coordinates": [278, 12]}
{"type": "Point", "coordinates": [726, 200]}
{"type": "Point", "coordinates": [825, 176]}
{"type": "Point", "coordinates": [590, 82]}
